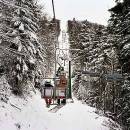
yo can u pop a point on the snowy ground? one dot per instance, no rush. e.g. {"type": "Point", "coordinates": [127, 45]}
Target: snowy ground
{"type": "Point", "coordinates": [31, 114]}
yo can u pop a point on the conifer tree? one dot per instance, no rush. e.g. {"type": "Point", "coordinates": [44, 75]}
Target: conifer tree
{"type": "Point", "coordinates": [120, 30]}
{"type": "Point", "coordinates": [19, 36]}
{"type": "Point", "coordinates": [26, 43]}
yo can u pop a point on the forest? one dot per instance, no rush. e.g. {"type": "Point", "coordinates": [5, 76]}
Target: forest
{"type": "Point", "coordinates": [101, 69]}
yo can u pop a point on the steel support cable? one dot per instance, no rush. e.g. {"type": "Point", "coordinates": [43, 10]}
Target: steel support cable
{"type": "Point", "coordinates": [55, 47]}
{"type": "Point", "coordinates": [53, 7]}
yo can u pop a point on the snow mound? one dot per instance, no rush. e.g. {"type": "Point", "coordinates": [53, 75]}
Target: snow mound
{"type": "Point", "coordinates": [31, 114]}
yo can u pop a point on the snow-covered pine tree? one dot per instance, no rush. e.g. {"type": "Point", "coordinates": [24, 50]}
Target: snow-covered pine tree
{"type": "Point", "coordinates": [120, 30]}
{"type": "Point", "coordinates": [91, 39]}
{"type": "Point", "coordinates": [119, 27]}
{"type": "Point", "coordinates": [124, 115]}
{"type": "Point", "coordinates": [19, 26]}
{"type": "Point", "coordinates": [27, 37]}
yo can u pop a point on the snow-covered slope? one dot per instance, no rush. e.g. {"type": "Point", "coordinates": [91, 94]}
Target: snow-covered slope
{"type": "Point", "coordinates": [31, 114]}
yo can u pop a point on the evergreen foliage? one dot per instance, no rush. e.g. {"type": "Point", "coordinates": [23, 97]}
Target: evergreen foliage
{"type": "Point", "coordinates": [120, 30]}
{"type": "Point", "coordinates": [22, 48]}
{"type": "Point", "coordinates": [91, 39]}
{"type": "Point", "coordinates": [97, 55]}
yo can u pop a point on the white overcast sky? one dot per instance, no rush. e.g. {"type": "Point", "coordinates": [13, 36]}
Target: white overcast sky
{"type": "Point", "coordinates": [92, 10]}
